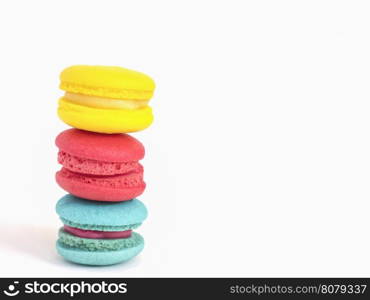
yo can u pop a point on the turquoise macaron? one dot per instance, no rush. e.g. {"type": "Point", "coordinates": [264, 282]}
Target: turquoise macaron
{"type": "Point", "coordinates": [99, 233]}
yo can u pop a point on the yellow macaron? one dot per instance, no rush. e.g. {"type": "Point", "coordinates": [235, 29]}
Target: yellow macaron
{"type": "Point", "coordinates": [105, 99]}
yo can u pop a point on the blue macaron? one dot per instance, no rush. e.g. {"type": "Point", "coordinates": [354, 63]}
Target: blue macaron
{"type": "Point", "coordinates": [99, 233]}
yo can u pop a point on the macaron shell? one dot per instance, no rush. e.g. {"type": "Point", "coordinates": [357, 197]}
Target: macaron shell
{"type": "Point", "coordinates": [107, 81]}
{"type": "Point", "coordinates": [110, 214]}
{"type": "Point", "coordinates": [102, 188]}
{"type": "Point", "coordinates": [100, 147]}
{"type": "Point", "coordinates": [98, 258]}
{"type": "Point", "coordinates": [104, 120]}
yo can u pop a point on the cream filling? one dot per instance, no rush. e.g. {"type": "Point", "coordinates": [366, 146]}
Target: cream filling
{"type": "Point", "coordinates": [101, 102]}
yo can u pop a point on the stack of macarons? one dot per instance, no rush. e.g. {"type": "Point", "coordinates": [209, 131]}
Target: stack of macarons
{"type": "Point", "coordinates": [100, 163]}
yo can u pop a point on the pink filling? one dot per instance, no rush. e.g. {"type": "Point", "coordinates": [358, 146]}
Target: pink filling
{"type": "Point", "coordinates": [95, 234]}
{"type": "Point", "coordinates": [131, 179]}
{"type": "Point", "coordinates": [94, 167]}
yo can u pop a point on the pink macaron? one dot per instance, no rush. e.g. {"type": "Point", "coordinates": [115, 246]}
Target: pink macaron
{"type": "Point", "coordinates": [100, 167]}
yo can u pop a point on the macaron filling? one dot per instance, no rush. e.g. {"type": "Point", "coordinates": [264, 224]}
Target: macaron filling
{"type": "Point", "coordinates": [102, 102]}
{"type": "Point", "coordinates": [95, 167]}
{"type": "Point", "coordinates": [99, 227]}
{"type": "Point", "coordinates": [95, 234]}
{"type": "Point", "coordinates": [119, 181]}
{"type": "Point", "coordinates": [71, 241]}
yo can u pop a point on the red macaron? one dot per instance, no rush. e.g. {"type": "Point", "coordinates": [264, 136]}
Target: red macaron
{"type": "Point", "coordinates": [100, 167]}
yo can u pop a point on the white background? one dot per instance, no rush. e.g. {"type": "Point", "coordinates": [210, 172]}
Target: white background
{"type": "Point", "coordinates": [258, 162]}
